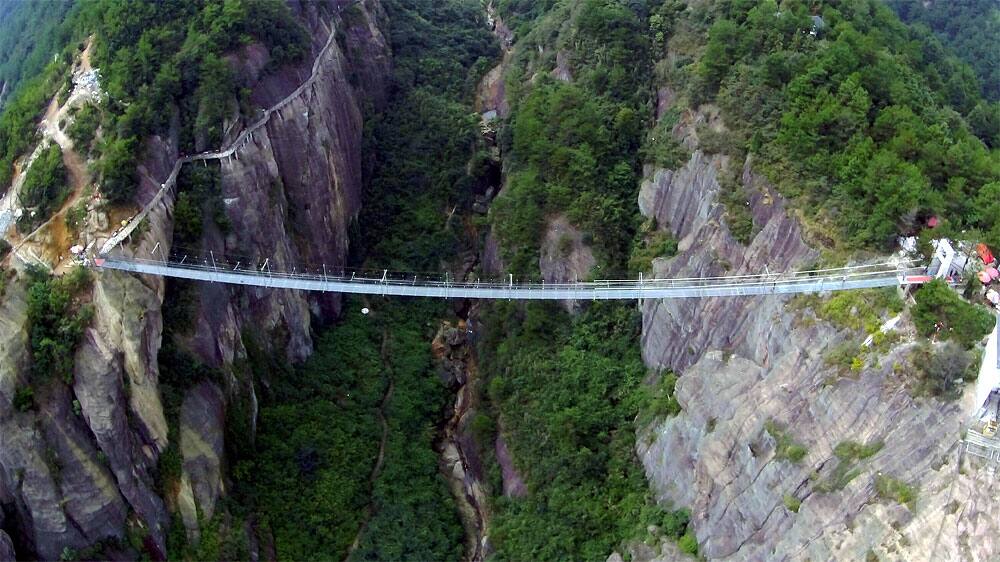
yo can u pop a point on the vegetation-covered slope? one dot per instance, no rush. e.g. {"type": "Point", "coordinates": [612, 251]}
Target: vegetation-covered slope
{"type": "Point", "coordinates": [853, 115]}
{"type": "Point", "coordinates": [23, 55]}
{"type": "Point", "coordinates": [970, 28]}
{"type": "Point", "coordinates": [153, 56]}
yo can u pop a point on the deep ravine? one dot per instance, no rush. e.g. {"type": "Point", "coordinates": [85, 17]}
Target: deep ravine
{"type": "Point", "coordinates": [459, 462]}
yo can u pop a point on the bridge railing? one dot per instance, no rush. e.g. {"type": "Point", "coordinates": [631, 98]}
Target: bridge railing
{"type": "Point", "coordinates": [262, 270]}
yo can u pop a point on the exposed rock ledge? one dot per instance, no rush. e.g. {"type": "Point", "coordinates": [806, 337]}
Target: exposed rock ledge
{"type": "Point", "coordinates": [744, 361]}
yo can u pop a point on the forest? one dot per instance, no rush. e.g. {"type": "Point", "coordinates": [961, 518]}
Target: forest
{"type": "Point", "coordinates": [152, 55]}
{"type": "Point", "coordinates": [969, 28]}
{"type": "Point", "coordinates": [867, 130]}
{"type": "Point", "coordinates": [22, 55]}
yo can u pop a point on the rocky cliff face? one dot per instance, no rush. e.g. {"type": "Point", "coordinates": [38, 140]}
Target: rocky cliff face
{"type": "Point", "coordinates": [745, 362]}
{"type": "Point", "coordinates": [82, 466]}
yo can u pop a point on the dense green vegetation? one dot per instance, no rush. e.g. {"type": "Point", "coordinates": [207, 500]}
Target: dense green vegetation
{"type": "Point", "coordinates": [44, 188]}
{"type": "Point", "coordinates": [574, 147]}
{"type": "Point", "coordinates": [858, 123]}
{"type": "Point", "coordinates": [863, 310]}
{"type": "Point", "coordinates": [199, 203]}
{"type": "Point", "coordinates": [56, 317]}
{"type": "Point", "coordinates": [566, 391]}
{"type": "Point", "coordinates": [23, 55]}
{"type": "Point", "coordinates": [83, 129]}
{"type": "Point", "coordinates": [20, 115]}
{"type": "Point", "coordinates": [970, 28]}
{"type": "Point", "coordinates": [849, 454]}
{"type": "Point", "coordinates": [942, 367]}
{"type": "Point", "coordinates": [153, 56]}
{"type": "Point", "coordinates": [418, 148]}
{"type": "Point", "coordinates": [942, 313]}
{"type": "Point", "coordinates": [307, 479]}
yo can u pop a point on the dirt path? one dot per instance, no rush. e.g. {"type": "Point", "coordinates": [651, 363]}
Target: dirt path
{"type": "Point", "coordinates": [377, 469]}
{"type": "Point", "coordinates": [54, 247]}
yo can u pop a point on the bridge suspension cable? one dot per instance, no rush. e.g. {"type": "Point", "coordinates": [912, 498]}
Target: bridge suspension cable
{"type": "Point", "coordinates": [385, 282]}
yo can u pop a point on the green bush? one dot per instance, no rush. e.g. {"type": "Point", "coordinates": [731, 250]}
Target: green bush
{"type": "Point", "coordinates": [792, 503]}
{"type": "Point", "coordinates": [24, 398]}
{"type": "Point", "coordinates": [688, 544]}
{"type": "Point", "coordinates": [941, 365]}
{"type": "Point", "coordinates": [657, 244]}
{"type": "Point", "coordinates": [785, 447]}
{"type": "Point", "coordinates": [44, 188]}
{"type": "Point", "coordinates": [851, 125]}
{"type": "Point", "coordinates": [738, 217]}
{"type": "Point", "coordinates": [83, 130]}
{"type": "Point", "coordinates": [848, 451]}
{"type": "Point", "coordinates": [895, 490]}
{"type": "Point", "coordinates": [307, 479]}
{"type": "Point", "coordinates": [76, 215]}
{"type": "Point", "coordinates": [860, 310]}
{"type": "Point", "coordinates": [675, 523]}
{"type": "Point", "coordinates": [661, 148]}
{"type": "Point", "coordinates": [57, 319]}
{"type": "Point", "coordinates": [941, 312]}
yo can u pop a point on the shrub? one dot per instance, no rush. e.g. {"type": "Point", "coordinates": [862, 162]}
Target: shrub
{"type": "Point", "coordinates": [675, 523]}
{"type": "Point", "coordinates": [24, 398]}
{"type": "Point", "coordinates": [658, 244]}
{"type": "Point", "coordinates": [661, 148]}
{"type": "Point", "coordinates": [733, 195]}
{"type": "Point", "coordinates": [76, 215]}
{"type": "Point", "coordinates": [895, 490]}
{"type": "Point", "coordinates": [117, 168]}
{"type": "Point", "coordinates": [940, 311]}
{"type": "Point", "coordinates": [785, 447]}
{"type": "Point", "coordinates": [792, 503]}
{"type": "Point", "coordinates": [57, 319]}
{"type": "Point", "coordinates": [84, 128]}
{"type": "Point", "coordinates": [852, 450]}
{"type": "Point", "coordinates": [44, 188]}
{"type": "Point", "coordinates": [660, 400]}
{"type": "Point", "coordinates": [940, 365]}
{"type": "Point", "coordinates": [860, 310]}
{"type": "Point", "coordinates": [689, 544]}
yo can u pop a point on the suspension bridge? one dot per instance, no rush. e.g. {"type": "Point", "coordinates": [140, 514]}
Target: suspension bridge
{"type": "Point", "coordinates": [385, 282]}
{"type": "Point", "coordinates": [389, 283]}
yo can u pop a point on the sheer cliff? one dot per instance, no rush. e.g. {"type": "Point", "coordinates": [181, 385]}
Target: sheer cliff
{"type": "Point", "coordinates": [94, 463]}
{"type": "Point", "coordinates": [755, 374]}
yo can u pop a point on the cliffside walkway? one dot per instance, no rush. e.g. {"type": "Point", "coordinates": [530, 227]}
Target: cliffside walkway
{"type": "Point", "coordinates": [230, 150]}
{"type": "Point", "coordinates": [400, 284]}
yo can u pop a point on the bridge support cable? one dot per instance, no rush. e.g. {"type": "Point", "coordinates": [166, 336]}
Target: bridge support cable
{"type": "Point", "coordinates": [315, 279]}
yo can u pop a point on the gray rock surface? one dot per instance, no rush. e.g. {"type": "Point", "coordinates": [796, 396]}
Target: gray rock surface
{"type": "Point", "coordinates": [564, 257]}
{"type": "Point", "coordinates": [202, 445]}
{"type": "Point", "coordinates": [50, 475]}
{"type": "Point", "coordinates": [746, 361]}
{"type": "Point", "coordinates": [513, 483]}
{"type": "Point", "coordinates": [72, 475]}
{"type": "Point", "coordinates": [6, 548]}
